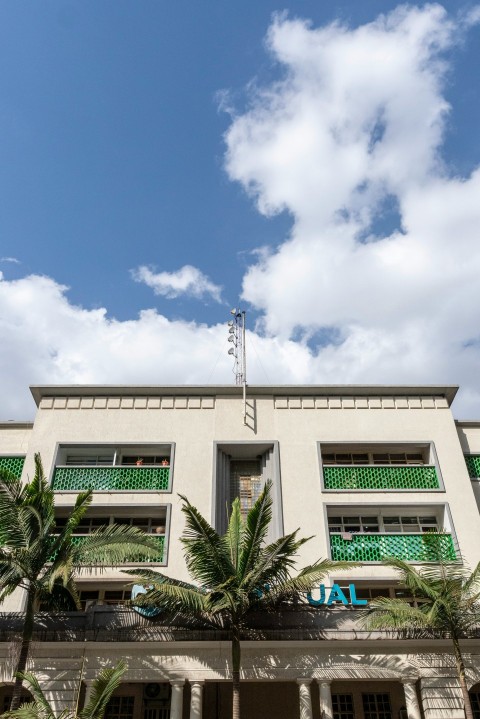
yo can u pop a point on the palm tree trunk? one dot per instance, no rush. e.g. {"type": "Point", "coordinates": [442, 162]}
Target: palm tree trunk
{"type": "Point", "coordinates": [24, 649]}
{"type": "Point", "coordinates": [236, 661]}
{"type": "Point", "coordinates": [461, 677]}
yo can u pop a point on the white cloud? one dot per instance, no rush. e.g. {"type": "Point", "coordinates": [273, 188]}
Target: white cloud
{"type": "Point", "coordinates": [188, 280]}
{"type": "Point", "coordinates": [49, 340]}
{"type": "Point", "coordinates": [357, 120]}
{"type": "Point", "coordinates": [10, 259]}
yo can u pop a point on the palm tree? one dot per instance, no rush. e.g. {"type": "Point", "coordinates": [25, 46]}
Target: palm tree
{"type": "Point", "coordinates": [37, 558]}
{"type": "Point", "coordinates": [448, 603]}
{"type": "Point", "coordinates": [235, 574]}
{"type": "Point", "coordinates": [40, 708]}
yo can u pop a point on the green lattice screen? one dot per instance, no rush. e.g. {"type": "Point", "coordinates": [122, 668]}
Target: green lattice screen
{"type": "Point", "coordinates": [13, 464]}
{"type": "Point", "coordinates": [380, 477]}
{"type": "Point", "coordinates": [427, 547]}
{"type": "Point", "coordinates": [473, 464]}
{"type": "Point", "coordinates": [111, 478]}
{"type": "Point", "coordinates": [136, 557]}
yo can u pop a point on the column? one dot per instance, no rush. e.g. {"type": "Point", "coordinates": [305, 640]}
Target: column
{"type": "Point", "coordinates": [196, 699]}
{"type": "Point", "coordinates": [88, 691]}
{"type": "Point", "coordinates": [305, 698]}
{"type": "Point", "coordinates": [326, 708]}
{"type": "Point", "coordinates": [411, 699]}
{"type": "Point", "coordinates": [176, 702]}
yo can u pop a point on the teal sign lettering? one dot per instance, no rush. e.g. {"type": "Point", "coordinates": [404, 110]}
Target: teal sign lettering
{"type": "Point", "coordinates": [336, 595]}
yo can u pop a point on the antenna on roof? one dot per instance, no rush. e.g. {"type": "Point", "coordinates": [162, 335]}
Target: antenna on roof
{"type": "Point", "coordinates": [236, 335]}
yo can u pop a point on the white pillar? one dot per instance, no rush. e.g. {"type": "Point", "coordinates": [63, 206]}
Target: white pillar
{"type": "Point", "coordinates": [305, 698]}
{"type": "Point", "coordinates": [176, 702]}
{"type": "Point", "coordinates": [88, 691]}
{"type": "Point", "coordinates": [411, 700]}
{"type": "Point", "coordinates": [196, 699]}
{"type": "Point", "coordinates": [326, 708]}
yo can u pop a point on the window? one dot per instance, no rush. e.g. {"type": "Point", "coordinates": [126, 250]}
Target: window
{"type": "Point", "coordinates": [241, 469]}
{"type": "Point", "coordinates": [109, 455]}
{"type": "Point", "coordinates": [373, 592]}
{"type": "Point", "coordinates": [89, 460]}
{"type": "Point", "coordinates": [475, 699]}
{"type": "Point", "coordinates": [151, 525]}
{"type": "Point", "coordinates": [245, 483]}
{"type": "Point", "coordinates": [346, 524]}
{"type": "Point", "coordinates": [377, 706]}
{"type": "Point", "coordinates": [107, 460]}
{"type": "Point", "coordinates": [343, 706]}
{"type": "Point", "coordinates": [369, 524]}
{"type": "Point", "coordinates": [412, 525]}
{"type": "Point", "coordinates": [392, 592]}
{"type": "Point", "coordinates": [339, 458]}
{"type": "Point", "coordinates": [95, 597]}
{"type": "Point", "coordinates": [145, 460]}
{"type": "Point", "coordinates": [120, 708]}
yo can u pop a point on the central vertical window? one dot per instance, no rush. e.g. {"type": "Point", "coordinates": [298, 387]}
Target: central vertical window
{"type": "Point", "coordinates": [241, 469]}
{"type": "Point", "coordinates": [245, 483]}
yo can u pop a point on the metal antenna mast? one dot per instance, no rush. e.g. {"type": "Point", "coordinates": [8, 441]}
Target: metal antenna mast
{"type": "Point", "coordinates": [236, 335]}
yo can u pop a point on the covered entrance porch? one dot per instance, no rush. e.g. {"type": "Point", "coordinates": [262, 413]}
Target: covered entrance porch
{"type": "Point", "coordinates": [304, 698]}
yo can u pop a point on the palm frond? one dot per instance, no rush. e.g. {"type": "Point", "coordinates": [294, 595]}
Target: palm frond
{"type": "Point", "coordinates": [233, 537]}
{"type": "Point", "coordinates": [275, 562]}
{"type": "Point", "coordinates": [63, 541]}
{"type": "Point", "coordinates": [473, 581]}
{"type": "Point", "coordinates": [386, 613]}
{"type": "Point", "coordinates": [206, 556]}
{"type": "Point", "coordinates": [114, 544]}
{"type": "Point", "coordinates": [13, 485]}
{"type": "Point", "coordinates": [418, 582]}
{"type": "Point", "coordinates": [40, 708]}
{"type": "Point", "coordinates": [306, 579]}
{"type": "Point", "coordinates": [14, 528]}
{"type": "Point", "coordinates": [39, 494]}
{"type": "Point", "coordinates": [255, 530]}
{"type": "Point", "coordinates": [147, 576]}
{"type": "Point", "coordinates": [59, 597]}
{"type": "Point", "coordinates": [102, 689]}
{"type": "Point", "coordinates": [174, 599]}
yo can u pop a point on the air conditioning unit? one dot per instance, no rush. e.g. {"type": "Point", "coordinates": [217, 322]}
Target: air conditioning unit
{"type": "Point", "coordinates": [152, 691]}
{"type": "Point", "coordinates": [156, 692]}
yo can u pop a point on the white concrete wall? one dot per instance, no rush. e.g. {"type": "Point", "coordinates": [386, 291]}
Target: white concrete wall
{"type": "Point", "coordinates": [14, 438]}
{"type": "Point", "coordinates": [297, 423]}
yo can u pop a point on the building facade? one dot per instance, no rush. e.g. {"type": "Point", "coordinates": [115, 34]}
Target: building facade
{"type": "Point", "coordinates": [369, 472]}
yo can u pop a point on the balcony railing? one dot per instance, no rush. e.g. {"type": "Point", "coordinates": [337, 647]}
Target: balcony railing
{"type": "Point", "coordinates": [108, 624]}
{"type": "Point", "coordinates": [364, 547]}
{"type": "Point", "coordinates": [135, 557]}
{"type": "Point", "coordinates": [13, 464]}
{"type": "Point", "coordinates": [473, 465]}
{"type": "Point", "coordinates": [110, 478]}
{"type": "Point", "coordinates": [380, 477]}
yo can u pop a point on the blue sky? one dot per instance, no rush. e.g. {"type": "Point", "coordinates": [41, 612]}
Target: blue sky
{"type": "Point", "coordinates": [132, 135]}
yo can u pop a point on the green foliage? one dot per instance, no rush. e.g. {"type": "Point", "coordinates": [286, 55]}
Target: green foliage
{"type": "Point", "coordinates": [448, 594]}
{"type": "Point", "coordinates": [34, 556]}
{"type": "Point", "coordinates": [449, 604]}
{"type": "Point", "coordinates": [235, 573]}
{"type": "Point", "coordinates": [103, 687]}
